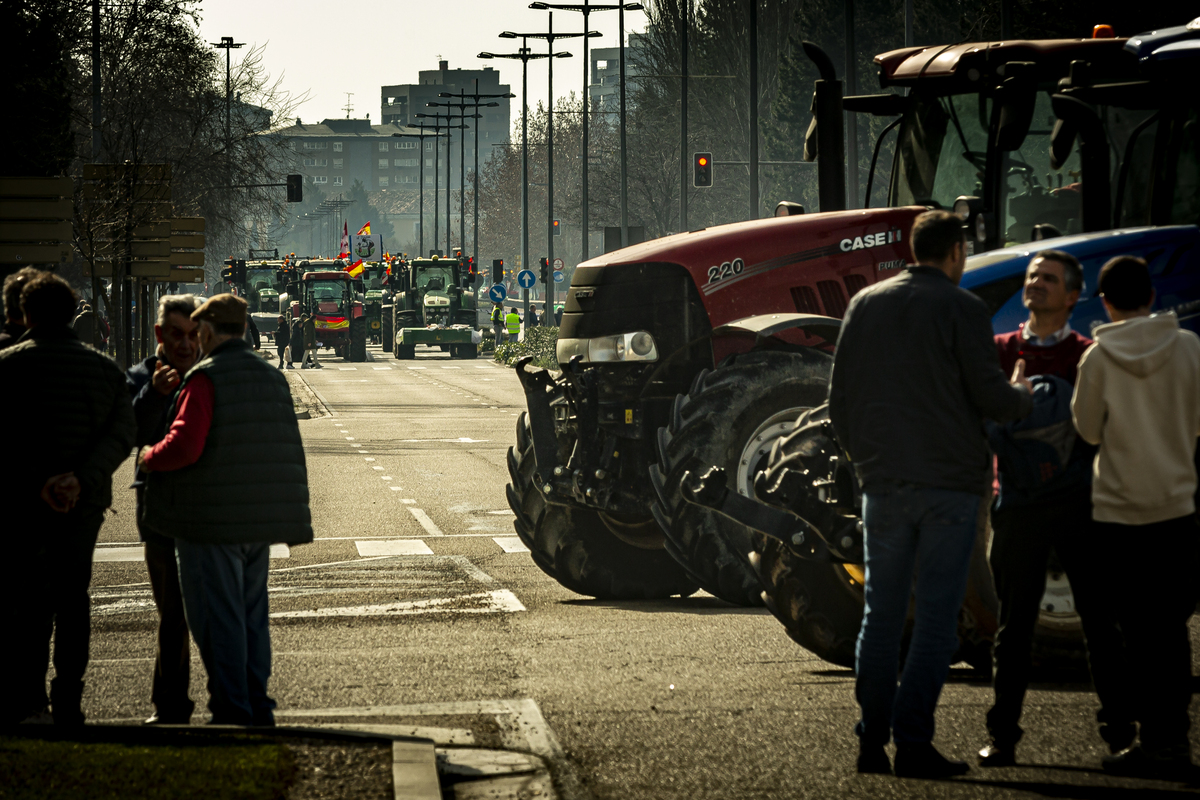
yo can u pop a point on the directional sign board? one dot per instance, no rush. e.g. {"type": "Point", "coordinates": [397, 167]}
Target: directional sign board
{"type": "Point", "coordinates": [559, 277]}
{"type": "Point", "coordinates": [558, 264]}
{"type": "Point", "coordinates": [526, 279]}
{"type": "Point", "coordinates": [497, 293]}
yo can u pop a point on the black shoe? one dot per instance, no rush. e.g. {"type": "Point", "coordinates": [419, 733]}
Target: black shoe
{"type": "Point", "coordinates": [996, 754]}
{"type": "Point", "coordinates": [1168, 764]}
{"type": "Point", "coordinates": [1118, 737]}
{"type": "Point", "coordinates": [873, 760]}
{"type": "Point", "coordinates": [922, 760]}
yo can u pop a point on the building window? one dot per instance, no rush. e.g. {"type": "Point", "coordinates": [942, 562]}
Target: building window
{"type": "Point", "coordinates": [321, 162]}
{"type": "Point", "coordinates": [406, 145]}
{"type": "Point", "coordinates": [429, 145]}
{"type": "Point", "coordinates": [383, 163]}
{"type": "Point", "coordinates": [337, 180]}
{"type": "Point", "coordinates": [383, 146]}
{"type": "Point", "coordinates": [383, 181]}
{"type": "Point", "coordinates": [405, 162]}
{"type": "Point", "coordinates": [406, 179]}
{"type": "Point", "coordinates": [316, 145]}
{"type": "Point", "coordinates": [429, 179]}
{"type": "Point", "coordinates": [310, 162]}
{"type": "Point", "coordinates": [439, 163]}
{"type": "Point", "coordinates": [320, 179]}
{"type": "Point", "coordinates": [429, 162]}
{"type": "Point", "coordinates": [337, 163]}
{"type": "Point", "coordinates": [337, 147]}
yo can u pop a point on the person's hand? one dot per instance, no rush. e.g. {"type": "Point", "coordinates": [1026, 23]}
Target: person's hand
{"type": "Point", "coordinates": [1018, 376]}
{"type": "Point", "coordinates": [165, 378]}
{"type": "Point", "coordinates": [61, 492]}
{"type": "Point", "coordinates": [141, 459]}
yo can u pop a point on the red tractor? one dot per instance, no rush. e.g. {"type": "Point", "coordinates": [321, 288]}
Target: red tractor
{"type": "Point", "coordinates": [705, 347]}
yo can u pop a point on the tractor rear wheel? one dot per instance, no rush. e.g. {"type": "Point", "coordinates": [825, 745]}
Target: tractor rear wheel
{"type": "Point", "coordinates": [730, 419]}
{"type": "Point", "coordinates": [575, 546]}
{"type": "Point", "coordinates": [358, 340]}
{"type": "Point", "coordinates": [405, 351]}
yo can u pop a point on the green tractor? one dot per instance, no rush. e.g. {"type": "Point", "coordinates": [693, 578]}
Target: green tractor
{"type": "Point", "coordinates": [374, 280]}
{"type": "Point", "coordinates": [434, 306]}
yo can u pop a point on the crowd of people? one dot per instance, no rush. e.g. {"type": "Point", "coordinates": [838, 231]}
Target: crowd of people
{"type": "Point", "coordinates": [1071, 448]}
{"type": "Point", "coordinates": [1095, 444]}
{"type": "Point", "coordinates": [208, 417]}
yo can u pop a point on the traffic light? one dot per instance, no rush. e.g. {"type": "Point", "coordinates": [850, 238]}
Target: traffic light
{"type": "Point", "coordinates": [497, 270]}
{"type": "Point", "coordinates": [702, 173]}
{"type": "Point", "coordinates": [295, 188]}
{"type": "Point", "coordinates": [234, 271]}
{"type": "Point", "coordinates": [472, 269]}
{"type": "Point", "coordinates": [545, 265]}
{"type": "Point", "coordinates": [557, 228]}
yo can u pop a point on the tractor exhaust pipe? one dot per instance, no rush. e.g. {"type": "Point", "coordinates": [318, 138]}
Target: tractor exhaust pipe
{"type": "Point", "coordinates": [823, 142]}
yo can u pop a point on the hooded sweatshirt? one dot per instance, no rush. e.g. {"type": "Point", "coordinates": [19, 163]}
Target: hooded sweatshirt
{"type": "Point", "coordinates": [1138, 397]}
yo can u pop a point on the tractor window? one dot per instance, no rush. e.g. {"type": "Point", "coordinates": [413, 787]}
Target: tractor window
{"type": "Point", "coordinates": [1183, 158]}
{"type": "Point", "coordinates": [327, 297]}
{"type": "Point", "coordinates": [1031, 193]}
{"type": "Point", "coordinates": [434, 280]}
{"type": "Point", "coordinates": [942, 150]}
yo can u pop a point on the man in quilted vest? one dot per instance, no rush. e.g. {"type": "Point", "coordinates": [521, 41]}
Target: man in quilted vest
{"type": "Point", "coordinates": [233, 425]}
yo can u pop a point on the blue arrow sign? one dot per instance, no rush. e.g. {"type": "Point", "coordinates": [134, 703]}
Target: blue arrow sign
{"type": "Point", "coordinates": [558, 277]}
{"type": "Point", "coordinates": [526, 278]}
{"type": "Point", "coordinates": [497, 293]}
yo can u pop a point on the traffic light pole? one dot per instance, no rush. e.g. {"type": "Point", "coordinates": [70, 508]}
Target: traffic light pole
{"type": "Point", "coordinates": [683, 116]}
{"type": "Point", "coordinates": [548, 306]}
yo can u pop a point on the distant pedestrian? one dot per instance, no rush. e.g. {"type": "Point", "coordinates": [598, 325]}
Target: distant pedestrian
{"type": "Point", "coordinates": [531, 319]}
{"type": "Point", "coordinates": [498, 322]}
{"type": "Point", "coordinates": [84, 325]}
{"type": "Point", "coordinates": [295, 339]}
{"type": "Point", "coordinates": [1138, 398]}
{"type": "Point", "coordinates": [252, 332]}
{"type": "Point", "coordinates": [282, 335]}
{"type": "Point", "coordinates": [309, 326]}
{"type": "Point", "coordinates": [70, 425]}
{"type": "Point", "coordinates": [512, 324]}
{"type": "Point", "coordinates": [14, 320]}
{"type": "Point", "coordinates": [1045, 506]}
{"type": "Point", "coordinates": [152, 384]}
{"type": "Point", "coordinates": [914, 376]}
{"type": "Point", "coordinates": [234, 437]}
{"type": "Point", "coordinates": [558, 315]}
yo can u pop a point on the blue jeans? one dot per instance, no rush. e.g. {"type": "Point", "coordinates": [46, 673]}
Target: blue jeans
{"type": "Point", "coordinates": [225, 601]}
{"type": "Point", "coordinates": [931, 531]}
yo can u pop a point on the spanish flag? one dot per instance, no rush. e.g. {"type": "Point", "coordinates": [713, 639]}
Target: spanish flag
{"type": "Point", "coordinates": [365, 230]}
{"type": "Point", "coordinates": [355, 269]}
{"type": "Point", "coordinates": [331, 323]}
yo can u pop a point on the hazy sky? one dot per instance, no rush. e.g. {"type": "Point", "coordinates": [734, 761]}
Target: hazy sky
{"type": "Point", "coordinates": [358, 46]}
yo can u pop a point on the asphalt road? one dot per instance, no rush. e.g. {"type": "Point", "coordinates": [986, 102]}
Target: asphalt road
{"type": "Point", "coordinates": [416, 605]}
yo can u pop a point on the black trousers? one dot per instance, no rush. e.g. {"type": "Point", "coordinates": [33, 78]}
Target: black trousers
{"type": "Point", "coordinates": [173, 658]}
{"type": "Point", "coordinates": [1154, 569]}
{"type": "Point", "coordinates": [45, 595]}
{"type": "Point", "coordinates": [1022, 538]}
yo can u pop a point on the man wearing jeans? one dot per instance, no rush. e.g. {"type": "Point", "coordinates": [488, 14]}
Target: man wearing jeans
{"type": "Point", "coordinates": [915, 375]}
{"type": "Point", "coordinates": [227, 480]}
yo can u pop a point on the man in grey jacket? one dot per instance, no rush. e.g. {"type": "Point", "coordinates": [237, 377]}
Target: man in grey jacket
{"type": "Point", "coordinates": [915, 375]}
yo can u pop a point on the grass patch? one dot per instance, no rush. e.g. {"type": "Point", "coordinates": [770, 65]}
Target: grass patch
{"type": "Point", "coordinates": [34, 768]}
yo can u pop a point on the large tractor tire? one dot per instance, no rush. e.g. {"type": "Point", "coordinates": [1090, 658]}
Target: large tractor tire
{"type": "Point", "coordinates": [821, 604]}
{"type": "Point", "coordinates": [385, 327]}
{"type": "Point", "coordinates": [467, 351]}
{"type": "Point", "coordinates": [358, 339]}
{"type": "Point", "coordinates": [405, 351]}
{"type": "Point", "coordinates": [577, 548]}
{"type": "Point", "coordinates": [730, 419]}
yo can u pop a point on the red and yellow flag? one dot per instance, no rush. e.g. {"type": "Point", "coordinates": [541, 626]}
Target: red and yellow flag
{"type": "Point", "coordinates": [365, 230]}
{"type": "Point", "coordinates": [355, 269]}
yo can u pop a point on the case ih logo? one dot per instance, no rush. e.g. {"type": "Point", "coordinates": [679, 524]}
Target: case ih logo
{"type": "Point", "coordinates": [870, 240]}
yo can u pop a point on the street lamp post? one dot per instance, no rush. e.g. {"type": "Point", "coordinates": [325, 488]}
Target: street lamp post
{"type": "Point", "coordinates": [449, 115]}
{"type": "Point", "coordinates": [550, 37]}
{"type": "Point", "coordinates": [525, 55]}
{"type": "Point", "coordinates": [421, 183]}
{"type": "Point", "coordinates": [227, 44]}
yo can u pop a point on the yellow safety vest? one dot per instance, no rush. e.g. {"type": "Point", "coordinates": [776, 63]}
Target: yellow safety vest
{"type": "Point", "coordinates": [513, 323]}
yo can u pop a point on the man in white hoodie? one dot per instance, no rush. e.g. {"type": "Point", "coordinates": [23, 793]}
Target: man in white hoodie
{"type": "Point", "coordinates": [1138, 397]}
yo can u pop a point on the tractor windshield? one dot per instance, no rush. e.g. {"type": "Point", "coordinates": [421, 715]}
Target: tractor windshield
{"type": "Point", "coordinates": [434, 280]}
{"type": "Point", "coordinates": [327, 297]}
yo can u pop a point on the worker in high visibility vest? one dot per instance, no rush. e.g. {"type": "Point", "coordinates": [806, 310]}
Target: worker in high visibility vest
{"type": "Point", "coordinates": [513, 323]}
{"type": "Point", "coordinates": [498, 322]}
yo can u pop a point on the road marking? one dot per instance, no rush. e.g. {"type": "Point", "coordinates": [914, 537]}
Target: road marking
{"type": "Point", "coordinates": [379, 368]}
{"type": "Point", "coordinates": [508, 512]}
{"type": "Point", "coordinates": [408, 502]}
{"type": "Point", "coordinates": [447, 366]}
{"type": "Point", "coordinates": [459, 440]}
{"type": "Point", "coordinates": [378, 468]}
{"type": "Point", "coordinates": [367, 459]}
{"type": "Point", "coordinates": [416, 367]}
{"type": "Point", "coordinates": [385, 477]}
{"type": "Point", "coordinates": [393, 547]}
{"type": "Point", "coordinates": [484, 366]}
{"type": "Point", "coordinates": [395, 488]}
{"type": "Point", "coordinates": [346, 369]}
{"type": "Point", "coordinates": [497, 601]}
{"type": "Point", "coordinates": [138, 553]}
{"type": "Point", "coordinates": [356, 380]}
{"type": "Point", "coordinates": [425, 522]}
{"type": "Point", "coordinates": [349, 438]}
{"type": "Point", "coordinates": [510, 544]}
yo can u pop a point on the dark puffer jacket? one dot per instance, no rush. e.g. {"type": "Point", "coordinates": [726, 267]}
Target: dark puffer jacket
{"type": "Point", "coordinates": [250, 484]}
{"type": "Point", "coordinates": [66, 409]}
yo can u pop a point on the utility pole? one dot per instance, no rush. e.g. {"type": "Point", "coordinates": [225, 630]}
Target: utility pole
{"type": "Point", "coordinates": [421, 182]}
{"type": "Point", "coordinates": [754, 199]}
{"type": "Point", "coordinates": [227, 44]}
{"type": "Point", "coordinates": [851, 119]}
{"type": "Point", "coordinates": [683, 115]}
{"type": "Point", "coordinates": [624, 154]}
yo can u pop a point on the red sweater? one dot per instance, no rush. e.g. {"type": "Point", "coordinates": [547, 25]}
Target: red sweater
{"type": "Point", "coordinates": [1061, 360]}
{"type": "Point", "coordinates": [185, 439]}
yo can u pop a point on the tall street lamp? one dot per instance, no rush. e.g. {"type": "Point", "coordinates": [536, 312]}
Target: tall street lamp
{"type": "Point", "coordinates": [525, 55]}
{"type": "Point", "coordinates": [228, 44]}
{"type": "Point", "coordinates": [437, 127]}
{"type": "Point", "coordinates": [421, 136]}
{"type": "Point", "coordinates": [550, 36]}
{"type": "Point", "coordinates": [476, 96]}
{"type": "Point", "coordinates": [462, 194]}
{"type": "Point", "coordinates": [449, 115]}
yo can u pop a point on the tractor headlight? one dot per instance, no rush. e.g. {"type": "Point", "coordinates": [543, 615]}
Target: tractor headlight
{"type": "Point", "coordinates": [637, 346]}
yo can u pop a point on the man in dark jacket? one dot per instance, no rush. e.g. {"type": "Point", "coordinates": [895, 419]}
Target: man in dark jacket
{"type": "Point", "coordinates": [914, 377]}
{"type": "Point", "coordinates": [232, 424]}
{"type": "Point", "coordinates": [295, 339]}
{"type": "Point", "coordinates": [152, 384]}
{"type": "Point", "coordinates": [1048, 508]}
{"type": "Point", "coordinates": [282, 335]}
{"type": "Point", "coordinates": [14, 321]}
{"type": "Point", "coordinates": [72, 426]}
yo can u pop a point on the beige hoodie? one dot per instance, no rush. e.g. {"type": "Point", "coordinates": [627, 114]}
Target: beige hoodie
{"type": "Point", "coordinates": [1138, 397]}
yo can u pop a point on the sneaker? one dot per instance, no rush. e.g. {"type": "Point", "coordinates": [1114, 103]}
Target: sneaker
{"type": "Point", "coordinates": [922, 760]}
{"type": "Point", "coordinates": [996, 754]}
{"type": "Point", "coordinates": [873, 760]}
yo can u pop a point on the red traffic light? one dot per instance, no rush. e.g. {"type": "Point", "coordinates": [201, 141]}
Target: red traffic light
{"type": "Point", "coordinates": [702, 161]}
{"type": "Point", "coordinates": [702, 170]}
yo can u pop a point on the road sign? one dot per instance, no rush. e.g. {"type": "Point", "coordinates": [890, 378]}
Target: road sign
{"type": "Point", "coordinates": [526, 278]}
{"type": "Point", "coordinates": [497, 293]}
{"type": "Point", "coordinates": [559, 277]}
{"type": "Point", "coordinates": [558, 264]}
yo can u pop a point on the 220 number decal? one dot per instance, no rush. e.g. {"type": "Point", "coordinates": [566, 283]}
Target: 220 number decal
{"type": "Point", "coordinates": [726, 270]}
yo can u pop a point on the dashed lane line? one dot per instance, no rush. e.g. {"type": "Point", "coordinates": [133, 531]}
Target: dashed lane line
{"type": "Point", "coordinates": [425, 522]}
{"type": "Point", "coordinates": [510, 544]}
{"type": "Point", "coordinates": [392, 547]}
{"type": "Point", "coordinates": [493, 602]}
{"type": "Point", "coordinates": [138, 553]}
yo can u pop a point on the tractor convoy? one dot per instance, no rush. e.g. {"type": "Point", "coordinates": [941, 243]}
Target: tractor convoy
{"type": "Point", "coordinates": [434, 305]}
{"type": "Point", "coordinates": [685, 444]}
